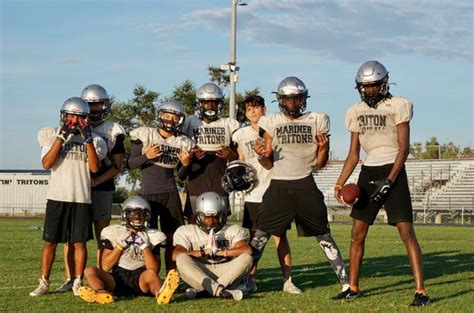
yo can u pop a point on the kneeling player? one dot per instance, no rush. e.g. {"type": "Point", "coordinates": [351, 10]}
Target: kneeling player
{"type": "Point", "coordinates": [130, 262]}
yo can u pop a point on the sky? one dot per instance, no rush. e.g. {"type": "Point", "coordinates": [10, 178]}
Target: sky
{"type": "Point", "coordinates": [51, 49]}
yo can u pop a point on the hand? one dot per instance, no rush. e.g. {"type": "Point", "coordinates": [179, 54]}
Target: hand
{"type": "Point", "coordinates": [382, 187]}
{"type": "Point", "coordinates": [94, 182]}
{"type": "Point", "coordinates": [226, 153]}
{"type": "Point", "coordinates": [198, 153]}
{"type": "Point", "coordinates": [125, 240]}
{"type": "Point", "coordinates": [322, 141]}
{"type": "Point", "coordinates": [153, 152]}
{"type": "Point", "coordinates": [337, 189]}
{"type": "Point", "coordinates": [142, 240]}
{"type": "Point", "coordinates": [184, 157]}
{"type": "Point", "coordinates": [261, 149]}
{"type": "Point", "coordinates": [65, 131]}
{"type": "Point", "coordinates": [85, 130]}
{"type": "Point", "coordinates": [208, 253]}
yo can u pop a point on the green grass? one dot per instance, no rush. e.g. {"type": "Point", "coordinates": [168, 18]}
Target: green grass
{"type": "Point", "coordinates": [386, 279]}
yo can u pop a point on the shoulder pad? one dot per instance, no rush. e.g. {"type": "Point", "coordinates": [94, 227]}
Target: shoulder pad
{"type": "Point", "coordinates": [156, 237]}
{"type": "Point", "coordinates": [47, 136]}
{"type": "Point", "coordinates": [112, 232]}
{"type": "Point", "coordinates": [142, 134]}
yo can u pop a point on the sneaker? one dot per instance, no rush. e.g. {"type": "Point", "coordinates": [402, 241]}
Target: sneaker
{"type": "Point", "coordinates": [251, 284]}
{"type": "Point", "coordinates": [42, 289]}
{"type": "Point", "coordinates": [77, 283]}
{"type": "Point", "coordinates": [90, 295]}
{"type": "Point", "coordinates": [231, 294]}
{"type": "Point", "coordinates": [193, 293]}
{"type": "Point", "coordinates": [66, 286]}
{"type": "Point", "coordinates": [169, 287]}
{"type": "Point", "coordinates": [347, 294]}
{"type": "Point", "coordinates": [420, 300]}
{"type": "Point", "coordinates": [289, 287]}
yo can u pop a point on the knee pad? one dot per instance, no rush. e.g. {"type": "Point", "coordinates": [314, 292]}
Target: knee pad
{"type": "Point", "coordinates": [258, 243]}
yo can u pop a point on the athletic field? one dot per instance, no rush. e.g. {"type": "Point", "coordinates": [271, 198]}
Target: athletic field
{"type": "Point", "coordinates": [386, 279]}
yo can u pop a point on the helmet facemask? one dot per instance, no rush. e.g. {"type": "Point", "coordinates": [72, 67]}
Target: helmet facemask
{"type": "Point", "coordinates": [221, 221]}
{"type": "Point", "coordinates": [170, 125]}
{"type": "Point", "coordinates": [297, 108]}
{"type": "Point", "coordinates": [373, 98]}
{"type": "Point", "coordinates": [239, 176]}
{"type": "Point", "coordinates": [136, 218]}
{"type": "Point", "coordinates": [209, 114]}
{"type": "Point", "coordinates": [99, 110]}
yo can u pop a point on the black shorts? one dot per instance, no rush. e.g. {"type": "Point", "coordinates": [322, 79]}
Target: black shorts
{"type": "Point", "coordinates": [251, 210]}
{"type": "Point", "coordinates": [288, 200]}
{"type": "Point", "coordinates": [67, 222]}
{"type": "Point", "coordinates": [397, 204]}
{"type": "Point", "coordinates": [127, 283]}
{"type": "Point", "coordinates": [168, 207]}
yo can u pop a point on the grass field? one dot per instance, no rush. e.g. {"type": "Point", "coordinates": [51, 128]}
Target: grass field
{"type": "Point", "coordinates": [386, 279]}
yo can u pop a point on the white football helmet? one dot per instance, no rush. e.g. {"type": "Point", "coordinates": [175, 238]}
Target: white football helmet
{"type": "Point", "coordinates": [211, 92]}
{"type": "Point", "coordinates": [135, 209]}
{"type": "Point", "coordinates": [239, 176]}
{"type": "Point", "coordinates": [98, 95]}
{"type": "Point", "coordinates": [372, 73]}
{"type": "Point", "coordinates": [292, 87]}
{"type": "Point", "coordinates": [211, 204]}
{"type": "Point", "coordinates": [173, 107]}
{"type": "Point", "coordinates": [74, 106]}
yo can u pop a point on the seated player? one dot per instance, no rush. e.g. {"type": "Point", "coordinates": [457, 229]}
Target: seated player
{"type": "Point", "coordinates": [130, 262]}
{"type": "Point", "coordinates": [212, 256]}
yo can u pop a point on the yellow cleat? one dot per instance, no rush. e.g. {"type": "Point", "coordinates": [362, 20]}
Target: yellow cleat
{"type": "Point", "coordinates": [91, 296]}
{"type": "Point", "coordinates": [169, 287]}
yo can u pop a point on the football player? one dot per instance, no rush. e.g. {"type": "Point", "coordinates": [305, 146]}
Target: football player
{"type": "Point", "coordinates": [245, 137]}
{"type": "Point", "coordinates": [294, 142]}
{"type": "Point", "coordinates": [130, 263]}
{"type": "Point", "coordinates": [157, 152]}
{"type": "Point", "coordinates": [70, 153]}
{"type": "Point", "coordinates": [212, 256]}
{"type": "Point", "coordinates": [102, 182]}
{"type": "Point", "coordinates": [212, 135]}
{"type": "Point", "coordinates": [380, 124]}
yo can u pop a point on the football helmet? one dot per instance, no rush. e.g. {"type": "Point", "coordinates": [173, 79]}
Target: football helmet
{"type": "Point", "coordinates": [239, 176]}
{"type": "Point", "coordinates": [292, 87]}
{"type": "Point", "coordinates": [74, 106]}
{"type": "Point", "coordinates": [372, 74]}
{"type": "Point", "coordinates": [172, 107]}
{"type": "Point", "coordinates": [135, 209]}
{"type": "Point", "coordinates": [211, 204]}
{"type": "Point", "coordinates": [97, 95]}
{"type": "Point", "coordinates": [209, 92]}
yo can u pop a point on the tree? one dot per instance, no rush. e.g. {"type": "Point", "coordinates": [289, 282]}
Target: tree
{"type": "Point", "coordinates": [186, 94]}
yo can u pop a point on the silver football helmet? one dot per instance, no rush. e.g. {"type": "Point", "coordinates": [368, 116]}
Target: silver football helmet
{"type": "Point", "coordinates": [239, 176]}
{"type": "Point", "coordinates": [211, 204]}
{"type": "Point", "coordinates": [292, 87]}
{"type": "Point", "coordinates": [210, 92]}
{"type": "Point", "coordinates": [97, 95]}
{"type": "Point", "coordinates": [74, 106]}
{"type": "Point", "coordinates": [172, 107]}
{"type": "Point", "coordinates": [372, 73]}
{"type": "Point", "coordinates": [135, 209]}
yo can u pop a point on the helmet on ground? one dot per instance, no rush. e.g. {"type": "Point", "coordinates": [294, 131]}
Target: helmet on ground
{"type": "Point", "coordinates": [239, 176]}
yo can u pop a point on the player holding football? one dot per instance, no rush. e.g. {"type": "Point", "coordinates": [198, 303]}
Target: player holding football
{"type": "Point", "coordinates": [295, 141]}
{"type": "Point", "coordinates": [212, 256]}
{"type": "Point", "coordinates": [380, 124]}
{"type": "Point", "coordinates": [245, 137]}
{"type": "Point", "coordinates": [131, 261]}
{"type": "Point", "coordinates": [71, 153]}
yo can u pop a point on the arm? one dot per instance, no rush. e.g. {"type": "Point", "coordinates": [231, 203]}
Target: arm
{"type": "Point", "coordinates": [110, 258]}
{"type": "Point", "coordinates": [184, 157]}
{"type": "Point", "coordinates": [351, 162]}
{"type": "Point", "coordinates": [227, 153]}
{"type": "Point", "coordinates": [403, 137]}
{"type": "Point", "coordinates": [239, 248]}
{"type": "Point", "coordinates": [93, 159]}
{"type": "Point", "coordinates": [111, 172]}
{"type": "Point", "coordinates": [322, 152]}
{"type": "Point", "coordinates": [137, 159]}
{"type": "Point", "coordinates": [178, 249]}
{"type": "Point", "coordinates": [264, 149]}
{"type": "Point", "coordinates": [151, 262]}
{"type": "Point", "coordinates": [50, 157]}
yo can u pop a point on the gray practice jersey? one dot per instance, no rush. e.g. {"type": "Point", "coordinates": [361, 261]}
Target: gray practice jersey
{"type": "Point", "coordinates": [193, 238]}
{"type": "Point", "coordinates": [132, 257]}
{"type": "Point", "coordinates": [377, 128]}
{"type": "Point", "coordinates": [245, 138]}
{"type": "Point", "coordinates": [70, 179]}
{"type": "Point", "coordinates": [211, 136]}
{"type": "Point", "coordinates": [294, 147]}
{"type": "Point", "coordinates": [170, 146]}
{"type": "Point", "coordinates": [109, 131]}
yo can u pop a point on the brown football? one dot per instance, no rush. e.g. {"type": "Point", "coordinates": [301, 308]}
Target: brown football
{"type": "Point", "coordinates": [350, 193]}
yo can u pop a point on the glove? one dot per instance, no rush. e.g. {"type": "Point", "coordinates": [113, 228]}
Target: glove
{"type": "Point", "coordinates": [207, 253]}
{"type": "Point", "coordinates": [382, 187]}
{"type": "Point", "coordinates": [65, 131]}
{"type": "Point", "coordinates": [85, 130]}
{"type": "Point", "coordinates": [212, 244]}
{"type": "Point", "coordinates": [125, 240]}
{"type": "Point", "coordinates": [142, 240]}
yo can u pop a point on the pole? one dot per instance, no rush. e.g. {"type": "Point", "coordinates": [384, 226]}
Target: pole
{"type": "Point", "coordinates": [233, 67]}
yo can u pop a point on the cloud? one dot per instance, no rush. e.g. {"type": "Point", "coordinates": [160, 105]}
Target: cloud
{"type": "Point", "coordinates": [348, 30]}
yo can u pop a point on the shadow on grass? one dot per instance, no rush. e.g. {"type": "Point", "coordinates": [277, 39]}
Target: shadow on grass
{"type": "Point", "coordinates": [436, 264]}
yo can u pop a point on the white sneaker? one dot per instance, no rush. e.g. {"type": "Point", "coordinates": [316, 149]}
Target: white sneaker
{"type": "Point", "coordinates": [66, 286]}
{"type": "Point", "coordinates": [76, 285]}
{"type": "Point", "coordinates": [42, 289]}
{"type": "Point", "coordinates": [231, 294]}
{"type": "Point", "coordinates": [289, 287]}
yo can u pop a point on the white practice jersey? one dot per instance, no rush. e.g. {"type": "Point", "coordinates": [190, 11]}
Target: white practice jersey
{"type": "Point", "coordinates": [294, 147]}
{"type": "Point", "coordinates": [70, 175]}
{"type": "Point", "coordinates": [245, 138]}
{"type": "Point", "coordinates": [170, 146]}
{"type": "Point", "coordinates": [211, 136]}
{"type": "Point", "coordinates": [109, 131]}
{"type": "Point", "coordinates": [132, 257]}
{"type": "Point", "coordinates": [377, 128]}
{"type": "Point", "coordinates": [192, 238]}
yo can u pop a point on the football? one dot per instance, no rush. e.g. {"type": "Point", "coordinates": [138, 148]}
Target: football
{"type": "Point", "coordinates": [350, 193]}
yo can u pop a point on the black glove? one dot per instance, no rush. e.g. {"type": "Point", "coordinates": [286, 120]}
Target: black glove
{"type": "Point", "coordinates": [65, 131]}
{"type": "Point", "coordinates": [382, 187]}
{"type": "Point", "coordinates": [85, 130]}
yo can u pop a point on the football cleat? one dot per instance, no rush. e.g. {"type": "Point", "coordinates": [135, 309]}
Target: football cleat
{"type": "Point", "coordinates": [420, 300]}
{"type": "Point", "coordinates": [42, 289]}
{"type": "Point", "coordinates": [347, 294]}
{"type": "Point", "coordinates": [231, 294]}
{"type": "Point", "coordinates": [90, 295]}
{"type": "Point", "coordinates": [76, 285]}
{"type": "Point", "coordinates": [169, 287]}
{"type": "Point", "coordinates": [193, 293]}
{"type": "Point", "coordinates": [289, 287]}
{"type": "Point", "coordinates": [66, 286]}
